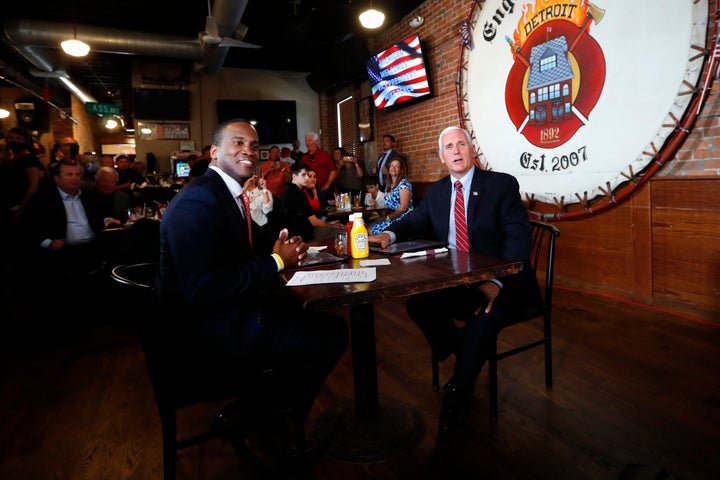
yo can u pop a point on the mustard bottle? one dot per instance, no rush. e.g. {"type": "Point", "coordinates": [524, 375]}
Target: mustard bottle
{"type": "Point", "coordinates": [359, 244]}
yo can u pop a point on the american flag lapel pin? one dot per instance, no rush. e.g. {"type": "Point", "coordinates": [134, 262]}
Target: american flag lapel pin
{"type": "Point", "coordinates": [475, 194]}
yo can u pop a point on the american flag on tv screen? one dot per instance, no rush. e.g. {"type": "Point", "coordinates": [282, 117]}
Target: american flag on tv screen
{"type": "Point", "coordinates": [398, 74]}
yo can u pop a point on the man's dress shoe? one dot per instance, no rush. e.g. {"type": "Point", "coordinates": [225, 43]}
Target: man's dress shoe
{"type": "Point", "coordinates": [455, 410]}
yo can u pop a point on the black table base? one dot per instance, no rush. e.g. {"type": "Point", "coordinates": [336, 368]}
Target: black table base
{"type": "Point", "coordinates": [398, 429]}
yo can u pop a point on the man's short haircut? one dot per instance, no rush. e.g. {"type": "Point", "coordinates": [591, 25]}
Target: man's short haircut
{"type": "Point", "coordinates": [108, 170]}
{"type": "Point", "coordinates": [55, 169]}
{"type": "Point", "coordinates": [452, 129]}
{"type": "Point", "coordinates": [391, 137]}
{"type": "Point", "coordinates": [298, 167]}
{"type": "Point", "coordinates": [372, 180]}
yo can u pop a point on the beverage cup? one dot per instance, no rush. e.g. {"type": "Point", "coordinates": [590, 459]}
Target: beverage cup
{"type": "Point", "coordinates": [341, 244]}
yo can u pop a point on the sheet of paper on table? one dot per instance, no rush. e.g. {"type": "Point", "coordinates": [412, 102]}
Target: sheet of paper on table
{"type": "Point", "coordinates": [374, 262]}
{"type": "Point", "coordinates": [340, 275]}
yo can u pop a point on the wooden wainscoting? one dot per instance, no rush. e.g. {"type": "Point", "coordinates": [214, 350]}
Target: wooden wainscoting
{"type": "Point", "coordinates": [659, 248]}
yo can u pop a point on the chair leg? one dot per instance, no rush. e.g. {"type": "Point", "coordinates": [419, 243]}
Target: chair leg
{"type": "Point", "coordinates": [169, 439]}
{"type": "Point", "coordinates": [492, 385]}
{"type": "Point", "coordinates": [435, 372]}
{"type": "Point", "coordinates": [548, 354]}
{"type": "Point", "coordinates": [300, 443]}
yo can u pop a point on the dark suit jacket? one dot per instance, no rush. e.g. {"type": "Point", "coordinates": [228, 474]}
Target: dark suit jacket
{"type": "Point", "coordinates": [382, 177]}
{"type": "Point", "coordinates": [45, 216]}
{"type": "Point", "coordinates": [498, 224]}
{"type": "Point", "coordinates": [208, 271]}
{"type": "Point", "coordinates": [114, 205]}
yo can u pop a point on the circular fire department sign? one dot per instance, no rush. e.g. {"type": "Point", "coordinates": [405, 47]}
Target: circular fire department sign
{"type": "Point", "coordinates": [574, 97]}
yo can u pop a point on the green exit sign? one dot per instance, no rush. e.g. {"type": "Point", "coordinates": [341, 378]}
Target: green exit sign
{"type": "Point", "coordinates": [103, 108]}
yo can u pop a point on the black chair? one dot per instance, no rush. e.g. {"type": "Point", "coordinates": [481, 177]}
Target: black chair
{"type": "Point", "coordinates": [542, 258]}
{"type": "Point", "coordinates": [174, 389]}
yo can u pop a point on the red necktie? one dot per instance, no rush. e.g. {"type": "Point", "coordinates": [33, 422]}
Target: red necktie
{"type": "Point", "coordinates": [246, 214]}
{"type": "Point", "coordinates": [461, 232]}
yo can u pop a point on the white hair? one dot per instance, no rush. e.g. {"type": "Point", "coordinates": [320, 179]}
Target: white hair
{"type": "Point", "coordinates": [451, 129]}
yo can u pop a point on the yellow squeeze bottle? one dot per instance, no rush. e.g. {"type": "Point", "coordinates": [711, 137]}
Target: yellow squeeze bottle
{"type": "Point", "coordinates": [359, 244]}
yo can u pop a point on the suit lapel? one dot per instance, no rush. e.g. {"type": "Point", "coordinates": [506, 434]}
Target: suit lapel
{"type": "Point", "coordinates": [474, 196]}
{"type": "Point", "coordinates": [445, 207]}
{"type": "Point", "coordinates": [238, 222]}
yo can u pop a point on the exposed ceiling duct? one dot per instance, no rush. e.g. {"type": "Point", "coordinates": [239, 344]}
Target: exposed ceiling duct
{"type": "Point", "coordinates": [38, 42]}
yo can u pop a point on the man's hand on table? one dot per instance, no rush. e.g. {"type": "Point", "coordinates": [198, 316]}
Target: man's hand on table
{"type": "Point", "coordinates": [290, 249]}
{"type": "Point", "coordinates": [382, 239]}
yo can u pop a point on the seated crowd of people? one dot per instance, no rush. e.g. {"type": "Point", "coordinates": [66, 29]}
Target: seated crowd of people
{"type": "Point", "coordinates": [57, 208]}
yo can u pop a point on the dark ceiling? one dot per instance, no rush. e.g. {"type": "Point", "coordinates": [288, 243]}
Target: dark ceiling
{"type": "Point", "coordinates": [297, 35]}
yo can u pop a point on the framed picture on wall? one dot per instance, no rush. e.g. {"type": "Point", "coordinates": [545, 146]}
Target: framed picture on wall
{"type": "Point", "coordinates": [264, 154]}
{"type": "Point", "coordinates": [365, 119]}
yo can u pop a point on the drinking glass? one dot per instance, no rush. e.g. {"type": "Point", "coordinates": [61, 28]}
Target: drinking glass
{"type": "Point", "coordinates": [341, 244]}
{"type": "Point", "coordinates": [356, 200]}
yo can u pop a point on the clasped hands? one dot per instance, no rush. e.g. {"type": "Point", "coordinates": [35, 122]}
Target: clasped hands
{"type": "Point", "coordinates": [290, 249]}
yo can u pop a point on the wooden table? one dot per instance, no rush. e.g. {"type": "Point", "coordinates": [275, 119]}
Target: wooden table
{"type": "Point", "coordinates": [335, 214]}
{"type": "Point", "coordinates": [376, 428]}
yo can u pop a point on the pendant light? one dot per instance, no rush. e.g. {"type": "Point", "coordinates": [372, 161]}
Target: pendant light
{"type": "Point", "coordinates": [75, 47]}
{"type": "Point", "coordinates": [372, 18]}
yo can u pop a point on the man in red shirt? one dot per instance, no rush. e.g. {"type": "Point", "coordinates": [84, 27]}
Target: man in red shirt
{"type": "Point", "coordinates": [276, 173]}
{"type": "Point", "coordinates": [322, 163]}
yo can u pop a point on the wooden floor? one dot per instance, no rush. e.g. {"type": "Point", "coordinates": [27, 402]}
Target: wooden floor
{"type": "Point", "coordinates": [637, 391]}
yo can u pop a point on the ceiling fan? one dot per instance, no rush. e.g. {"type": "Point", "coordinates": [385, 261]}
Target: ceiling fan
{"type": "Point", "coordinates": [211, 35]}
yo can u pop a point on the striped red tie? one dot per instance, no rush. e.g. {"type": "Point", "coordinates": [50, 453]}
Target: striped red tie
{"type": "Point", "coordinates": [461, 232]}
{"type": "Point", "coordinates": [246, 214]}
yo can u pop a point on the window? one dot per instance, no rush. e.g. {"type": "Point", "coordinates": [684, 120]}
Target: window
{"type": "Point", "coordinates": [347, 131]}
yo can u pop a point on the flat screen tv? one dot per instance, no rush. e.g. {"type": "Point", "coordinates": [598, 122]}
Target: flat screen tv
{"type": "Point", "coordinates": [398, 75]}
{"type": "Point", "coordinates": [274, 120]}
{"type": "Point", "coordinates": [182, 169]}
{"type": "Point", "coordinates": [161, 104]}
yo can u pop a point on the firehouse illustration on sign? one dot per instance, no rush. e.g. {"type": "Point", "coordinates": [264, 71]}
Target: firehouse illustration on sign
{"type": "Point", "coordinates": [558, 74]}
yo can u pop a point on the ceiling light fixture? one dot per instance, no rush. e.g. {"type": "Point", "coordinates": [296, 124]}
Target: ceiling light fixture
{"type": "Point", "coordinates": [372, 18]}
{"type": "Point", "coordinates": [75, 47]}
{"type": "Point", "coordinates": [4, 113]}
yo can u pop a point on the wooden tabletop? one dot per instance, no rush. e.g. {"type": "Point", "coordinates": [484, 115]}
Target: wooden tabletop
{"type": "Point", "coordinates": [335, 214]}
{"type": "Point", "coordinates": [403, 277]}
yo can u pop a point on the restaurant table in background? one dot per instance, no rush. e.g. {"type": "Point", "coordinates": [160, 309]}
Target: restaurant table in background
{"type": "Point", "coordinates": [154, 194]}
{"type": "Point", "coordinates": [377, 427]}
{"type": "Point", "coordinates": [369, 213]}
{"type": "Point", "coordinates": [133, 242]}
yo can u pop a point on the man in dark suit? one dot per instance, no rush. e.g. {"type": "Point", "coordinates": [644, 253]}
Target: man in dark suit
{"type": "Point", "coordinates": [381, 168]}
{"type": "Point", "coordinates": [61, 224]}
{"type": "Point", "coordinates": [221, 275]}
{"type": "Point", "coordinates": [497, 224]}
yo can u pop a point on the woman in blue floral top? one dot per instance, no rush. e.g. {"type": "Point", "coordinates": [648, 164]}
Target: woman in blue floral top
{"type": "Point", "coordinates": [398, 195]}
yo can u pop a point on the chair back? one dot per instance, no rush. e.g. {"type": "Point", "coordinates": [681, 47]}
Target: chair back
{"type": "Point", "coordinates": [542, 254]}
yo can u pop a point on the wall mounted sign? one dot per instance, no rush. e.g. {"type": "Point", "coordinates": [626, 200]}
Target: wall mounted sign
{"type": "Point", "coordinates": [575, 98]}
{"type": "Point", "coordinates": [164, 131]}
